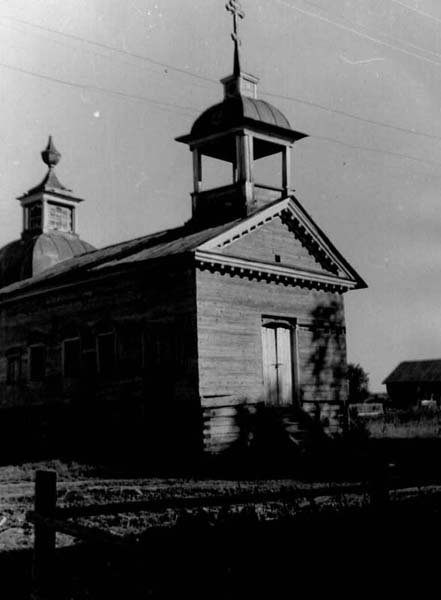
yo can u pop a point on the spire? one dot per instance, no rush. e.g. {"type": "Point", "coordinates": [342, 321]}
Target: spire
{"type": "Point", "coordinates": [239, 83]}
{"type": "Point", "coordinates": [50, 154]}
{"type": "Point", "coordinates": [235, 8]}
{"type": "Point", "coordinates": [51, 157]}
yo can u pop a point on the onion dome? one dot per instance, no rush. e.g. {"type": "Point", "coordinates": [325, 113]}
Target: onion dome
{"type": "Point", "coordinates": [49, 227]}
{"type": "Point", "coordinates": [238, 111]}
{"type": "Point", "coordinates": [30, 256]}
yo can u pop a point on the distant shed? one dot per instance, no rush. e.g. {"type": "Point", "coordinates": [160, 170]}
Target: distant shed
{"type": "Point", "coordinates": [414, 381]}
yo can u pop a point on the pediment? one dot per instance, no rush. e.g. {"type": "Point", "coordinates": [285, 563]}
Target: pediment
{"type": "Point", "coordinates": [283, 238]}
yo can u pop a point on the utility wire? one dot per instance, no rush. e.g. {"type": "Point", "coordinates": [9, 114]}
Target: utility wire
{"type": "Point", "coordinates": [269, 94]}
{"type": "Point", "coordinates": [178, 109]}
{"type": "Point", "coordinates": [58, 42]}
{"type": "Point", "coordinates": [357, 32]}
{"type": "Point", "coordinates": [189, 110]}
{"type": "Point", "coordinates": [387, 35]}
{"type": "Point", "coordinates": [352, 116]}
{"type": "Point", "coordinates": [111, 48]}
{"type": "Point", "coordinates": [157, 103]}
{"type": "Point", "coordinates": [418, 11]}
{"type": "Point", "coordinates": [377, 150]}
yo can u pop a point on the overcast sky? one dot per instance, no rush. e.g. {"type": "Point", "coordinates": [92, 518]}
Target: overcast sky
{"type": "Point", "coordinates": [116, 81]}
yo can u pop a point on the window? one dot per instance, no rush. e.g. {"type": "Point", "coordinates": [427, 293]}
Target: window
{"type": "Point", "coordinates": [165, 345]}
{"type": "Point", "coordinates": [37, 362]}
{"type": "Point", "coordinates": [88, 354]}
{"type": "Point", "coordinates": [130, 350]}
{"type": "Point", "coordinates": [71, 357]}
{"type": "Point", "coordinates": [35, 213]}
{"type": "Point", "coordinates": [60, 217]}
{"type": "Point", "coordinates": [106, 353]}
{"type": "Point", "coordinates": [13, 373]}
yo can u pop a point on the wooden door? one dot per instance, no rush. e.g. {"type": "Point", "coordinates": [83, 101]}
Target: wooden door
{"type": "Point", "coordinates": [277, 365]}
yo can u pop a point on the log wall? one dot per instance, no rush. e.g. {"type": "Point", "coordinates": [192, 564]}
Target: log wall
{"type": "Point", "coordinates": [142, 397]}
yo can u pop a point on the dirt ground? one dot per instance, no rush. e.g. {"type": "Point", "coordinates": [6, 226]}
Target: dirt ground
{"type": "Point", "coordinates": [204, 553]}
{"type": "Point", "coordinates": [82, 485]}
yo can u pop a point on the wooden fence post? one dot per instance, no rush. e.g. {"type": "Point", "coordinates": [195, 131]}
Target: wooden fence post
{"type": "Point", "coordinates": [44, 537]}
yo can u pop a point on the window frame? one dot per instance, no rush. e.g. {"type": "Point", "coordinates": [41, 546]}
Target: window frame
{"type": "Point", "coordinates": [15, 356]}
{"type": "Point", "coordinates": [42, 376]}
{"type": "Point", "coordinates": [291, 324]}
{"type": "Point", "coordinates": [110, 369]}
{"type": "Point", "coordinates": [63, 354]}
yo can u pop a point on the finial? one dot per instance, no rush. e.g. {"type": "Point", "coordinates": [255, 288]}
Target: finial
{"type": "Point", "coordinates": [50, 154]}
{"type": "Point", "coordinates": [235, 8]}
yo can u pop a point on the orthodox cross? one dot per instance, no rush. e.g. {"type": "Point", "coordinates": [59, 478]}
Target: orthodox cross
{"type": "Point", "coordinates": [235, 8]}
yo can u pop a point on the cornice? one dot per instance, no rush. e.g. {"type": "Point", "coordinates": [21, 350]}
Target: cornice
{"type": "Point", "coordinates": [260, 271]}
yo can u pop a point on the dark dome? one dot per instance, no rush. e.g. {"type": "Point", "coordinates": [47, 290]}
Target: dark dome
{"type": "Point", "coordinates": [27, 257]}
{"type": "Point", "coordinates": [234, 111]}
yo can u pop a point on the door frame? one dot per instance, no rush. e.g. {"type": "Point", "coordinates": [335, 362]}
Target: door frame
{"type": "Point", "coordinates": [290, 323]}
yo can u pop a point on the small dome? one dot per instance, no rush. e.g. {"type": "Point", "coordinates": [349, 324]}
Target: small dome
{"type": "Point", "coordinates": [232, 112]}
{"type": "Point", "coordinates": [29, 256]}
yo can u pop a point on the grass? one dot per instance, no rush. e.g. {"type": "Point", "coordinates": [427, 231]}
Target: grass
{"type": "Point", "coordinates": [404, 424]}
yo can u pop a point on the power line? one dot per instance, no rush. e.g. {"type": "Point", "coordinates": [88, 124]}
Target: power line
{"type": "Point", "coordinates": [189, 110]}
{"type": "Point", "coordinates": [188, 73]}
{"type": "Point", "coordinates": [352, 116]}
{"type": "Point", "coordinates": [88, 87]}
{"type": "Point", "coordinates": [378, 150]}
{"type": "Point", "coordinates": [418, 11]}
{"type": "Point", "coordinates": [71, 47]}
{"type": "Point", "coordinates": [172, 107]}
{"type": "Point", "coordinates": [357, 32]}
{"type": "Point", "coordinates": [111, 48]}
{"type": "Point", "coordinates": [391, 37]}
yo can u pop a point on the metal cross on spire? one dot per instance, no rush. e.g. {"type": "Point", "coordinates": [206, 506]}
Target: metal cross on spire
{"type": "Point", "coordinates": [235, 8]}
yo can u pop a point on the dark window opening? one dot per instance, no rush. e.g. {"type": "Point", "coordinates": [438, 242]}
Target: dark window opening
{"type": "Point", "coordinates": [13, 373]}
{"type": "Point", "coordinates": [35, 217]}
{"type": "Point", "coordinates": [88, 355]}
{"type": "Point", "coordinates": [72, 357]}
{"type": "Point", "coordinates": [37, 362]}
{"type": "Point", "coordinates": [277, 258]}
{"type": "Point", "coordinates": [165, 346]}
{"type": "Point", "coordinates": [106, 353]}
{"type": "Point", "coordinates": [130, 355]}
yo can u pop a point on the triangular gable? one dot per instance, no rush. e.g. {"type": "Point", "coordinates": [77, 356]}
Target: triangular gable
{"type": "Point", "coordinates": [276, 243]}
{"type": "Point", "coordinates": [283, 239]}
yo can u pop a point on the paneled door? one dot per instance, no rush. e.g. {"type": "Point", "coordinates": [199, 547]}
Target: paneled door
{"type": "Point", "coordinates": [277, 364]}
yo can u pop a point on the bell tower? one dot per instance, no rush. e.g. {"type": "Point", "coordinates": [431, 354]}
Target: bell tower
{"type": "Point", "coordinates": [241, 130]}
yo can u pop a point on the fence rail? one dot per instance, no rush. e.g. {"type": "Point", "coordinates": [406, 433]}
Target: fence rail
{"type": "Point", "coordinates": [47, 518]}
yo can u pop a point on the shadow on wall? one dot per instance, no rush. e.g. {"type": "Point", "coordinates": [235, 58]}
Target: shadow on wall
{"type": "Point", "coordinates": [328, 351]}
{"type": "Point", "coordinates": [315, 430]}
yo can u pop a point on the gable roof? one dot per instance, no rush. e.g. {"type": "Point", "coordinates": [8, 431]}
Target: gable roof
{"type": "Point", "coordinates": [161, 244]}
{"type": "Point", "coordinates": [204, 244]}
{"type": "Point", "coordinates": [416, 371]}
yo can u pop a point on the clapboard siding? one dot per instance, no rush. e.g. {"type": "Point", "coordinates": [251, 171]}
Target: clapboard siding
{"type": "Point", "coordinates": [273, 239]}
{"type": "Point", "coordinates": [229, 312]}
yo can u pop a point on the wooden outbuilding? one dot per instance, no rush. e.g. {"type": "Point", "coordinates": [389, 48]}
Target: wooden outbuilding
{"type": "Point", "coordinates": [415, 382]}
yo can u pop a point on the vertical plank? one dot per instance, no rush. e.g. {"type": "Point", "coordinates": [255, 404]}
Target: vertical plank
{"type": "Point", "coordinates": [284, 365]}
{"type": "Point", "coordinates": [296, 364]}
{"type": "Point", "coordinates": [44, 537]}
{"type": "Point", "coordinates": [269, 364]}
{"type": "Point", "coordinates": [286, 169]}
{"type": "Point", "coordinates": [197, 170]}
